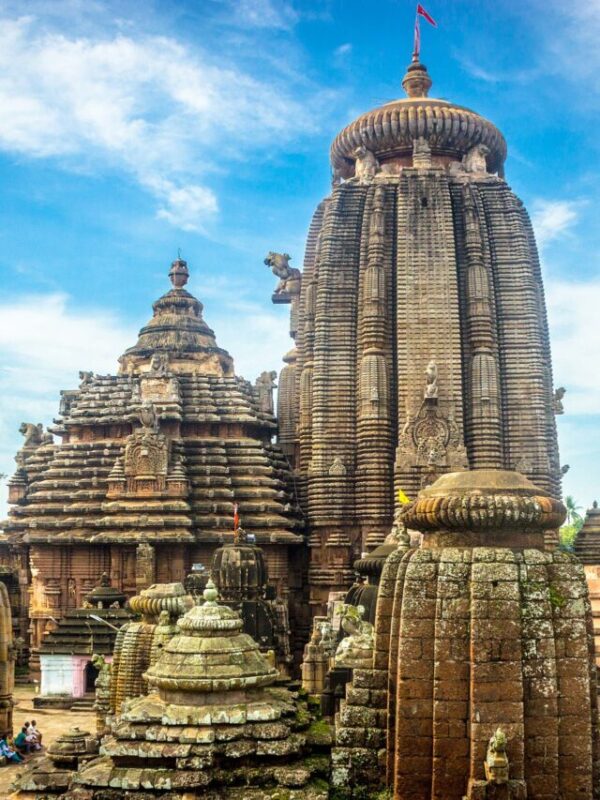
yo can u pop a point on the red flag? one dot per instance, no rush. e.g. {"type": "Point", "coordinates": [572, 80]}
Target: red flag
{"type": "Point", "coordinates": [422, 13]}
{"type": "Point", "coordinates": [236, 517]}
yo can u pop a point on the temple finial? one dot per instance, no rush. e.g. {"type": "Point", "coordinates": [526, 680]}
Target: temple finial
{"type": "Point", "coordinates": [179, 273]}
{"type": "Point", "coordinates": [416, 82]}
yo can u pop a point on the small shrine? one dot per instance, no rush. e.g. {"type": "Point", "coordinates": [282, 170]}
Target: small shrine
{"type": "Point", "coordinates": [66, 654]}
{"type": "Point", "coordinates": [213, 723]}
{"type": "Point", "coordinates": [49, 775]}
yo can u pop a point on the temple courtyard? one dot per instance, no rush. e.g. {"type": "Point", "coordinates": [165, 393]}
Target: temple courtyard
{"type": "Point", "coordinates": [52, 722]}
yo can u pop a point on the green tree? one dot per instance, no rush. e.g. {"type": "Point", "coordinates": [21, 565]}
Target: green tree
{"type": "Point", "coordinates": [573, 515]}
{"type": "Point", "coordinates": [568, 533]}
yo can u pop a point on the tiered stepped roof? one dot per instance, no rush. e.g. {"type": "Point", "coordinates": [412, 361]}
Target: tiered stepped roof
{"type": "Point", "coordinates": [587, 544]}
{"type": "Point", "coordinates": [210, 426]}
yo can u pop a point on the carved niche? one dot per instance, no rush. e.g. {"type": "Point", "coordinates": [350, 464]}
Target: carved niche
{"type": "Point", "coordinates": [432, 440]}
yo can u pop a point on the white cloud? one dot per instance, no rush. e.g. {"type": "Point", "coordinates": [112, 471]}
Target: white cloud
{"type": "Point", "coordinates": [263, 14]}
{"type": "Point", "coordinates": [575, 337]}
{"type": "Point", "coordinates": [44, 342]}
{"type": "Point", "coordinates": [148, 106]}
{"type": "Point", "coordinates": [552, 219]}
{"type": "Point", "coordinates": [343, 50]}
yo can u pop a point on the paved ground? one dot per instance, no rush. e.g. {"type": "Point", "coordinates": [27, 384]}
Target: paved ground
{"type": "Point", "coordinates": [51, 723]}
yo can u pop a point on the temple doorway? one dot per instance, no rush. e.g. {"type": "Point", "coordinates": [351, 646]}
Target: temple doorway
{"type": "Point", "coordinates": [90, 675]}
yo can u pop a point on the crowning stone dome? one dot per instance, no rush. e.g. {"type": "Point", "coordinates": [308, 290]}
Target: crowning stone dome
{"type": "Point", "coordinates": [390, 130]}
{"type": "Point", "coordinates": [178, 330]}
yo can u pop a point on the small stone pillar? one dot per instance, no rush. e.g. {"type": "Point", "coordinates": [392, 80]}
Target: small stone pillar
{"type": "Point", "coordinates": [315, 662]}
{"type": "Point", "coordinates": [145, 566]}
{"type": "Point", "coordinates": [7, 664]}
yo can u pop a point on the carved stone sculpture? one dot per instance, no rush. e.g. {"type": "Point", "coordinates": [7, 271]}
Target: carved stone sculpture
{"type": "Point", "coordinates": [159, 364]}
{"type": "Point", "coordinates": [431, 385]}
{"type": "Point", "coordinates": [421, 153]}
{"type": "Point", "coordinates": [475, 161]}
{"type": "Point", "coordinates": [265, 384]}
{"type": "Point", "coordinates": [558, 400]}
{"type": "Point", "coordinates": [472, 165]}
{"type": "Point", "coordinates": [366, 166]}
{"type": "Point", "coordinates": [356, 648]}
{"type": "Point", "coordinates": [33, 433]}
{"type": "Point", "coordinates": [289, 277]}
{"type": "Point", "coordinates": [496, 760]}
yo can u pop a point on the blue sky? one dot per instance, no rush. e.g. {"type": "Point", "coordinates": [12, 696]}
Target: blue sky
{"type": "Point", "coordinates": [128, 130]}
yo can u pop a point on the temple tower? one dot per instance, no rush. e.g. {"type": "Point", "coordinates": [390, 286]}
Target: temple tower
{"type": "Point", "coordinates": [147, 466]}
{"type": "Point", "coordinates": [421, 336]}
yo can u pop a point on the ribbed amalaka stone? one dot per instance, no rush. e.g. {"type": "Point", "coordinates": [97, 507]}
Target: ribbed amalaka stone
{"type": "Point", "coordinates": [421, 274]}
{"type": "Point", "coordinates": [486, 630]}
{"type": "Point", "coordinates": [138, 644]}
{"type": "Point", "coordinates": [213, 724]}
{"type": "Point", "coordinates": [150, 465]}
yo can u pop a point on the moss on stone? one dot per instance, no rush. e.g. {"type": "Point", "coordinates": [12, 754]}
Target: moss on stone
{"type": "Point", "coordinates": [320, 733]}
{"type": "Point", "coordinates": [557, 600]}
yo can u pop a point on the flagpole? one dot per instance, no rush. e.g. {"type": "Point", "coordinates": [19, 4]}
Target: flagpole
{"type": "Point", "coordinates": [417, 41]}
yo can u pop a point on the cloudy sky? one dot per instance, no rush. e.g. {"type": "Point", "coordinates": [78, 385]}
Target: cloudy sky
{"type": "Point", "coordinates": [129, 130]}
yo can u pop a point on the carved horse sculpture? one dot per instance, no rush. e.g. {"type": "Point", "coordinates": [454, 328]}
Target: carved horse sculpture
{"type": "Point", "coordinates": [289, 277]}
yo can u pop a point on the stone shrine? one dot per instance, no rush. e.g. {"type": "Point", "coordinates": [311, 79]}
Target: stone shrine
{"type": "Point", "coordinates": [480, 629]}
{"type": "Point", "coordinates": [213, 723]}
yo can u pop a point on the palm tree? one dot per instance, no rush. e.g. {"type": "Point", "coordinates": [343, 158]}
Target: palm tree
{"type": "Point", "coordinates": [573, 515]}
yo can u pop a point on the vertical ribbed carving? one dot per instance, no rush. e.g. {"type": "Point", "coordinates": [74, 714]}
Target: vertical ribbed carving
{"type": "Point", "coordinates": [331, 477]}
{"type": "Point", "coordinates": [305, 419]}
{"type": "Point", "coordinates": [525, 364]}
{"type": "Point", "coordinates": [551, 439]}
{"type": "Point", "coordinates": [427, 325]}
{"type": "Point", "coordinates": [305, 338]}
{"type": "Point", "coordinates": [483, 425]}
{"type": "Point", "coordinates": [374, 444]}
{"type": "Point", "coordinates": [287, 407]}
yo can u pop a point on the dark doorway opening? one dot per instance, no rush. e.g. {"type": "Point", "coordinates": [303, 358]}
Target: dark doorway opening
{"type": "Point", "coordinates": [91, 673]}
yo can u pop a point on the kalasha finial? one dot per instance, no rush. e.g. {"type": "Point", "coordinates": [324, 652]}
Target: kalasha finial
{"type": "Point", "coordinates": [179, 273]}
{"type": "Point", "coordinates": [210, 594]}
{"type": "Point", "coordinates": [416, 82]}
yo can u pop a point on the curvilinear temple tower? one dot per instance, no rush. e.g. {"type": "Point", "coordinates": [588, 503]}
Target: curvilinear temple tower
{"type": "Point", "coordinates": [421, 342]}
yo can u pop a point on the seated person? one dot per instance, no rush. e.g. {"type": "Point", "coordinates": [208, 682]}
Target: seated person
{"type": "Point", "coordinates": [21, 743]}
{"type": "Point", "coordinates": [8, 753]}
{"type": "Point", "coordinates": [33, 731]}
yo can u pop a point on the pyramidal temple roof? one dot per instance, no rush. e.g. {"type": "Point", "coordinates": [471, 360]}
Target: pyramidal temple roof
{"type": "Point", "coordinates": [161, 451]}
{"type": "Point", "coordinates": [390, 130]}
{"type": "Point", "coordinates": [178, 330]}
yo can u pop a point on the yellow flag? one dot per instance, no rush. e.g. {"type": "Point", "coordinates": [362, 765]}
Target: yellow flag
{"type": "Point", "coordinates": [402, 497]}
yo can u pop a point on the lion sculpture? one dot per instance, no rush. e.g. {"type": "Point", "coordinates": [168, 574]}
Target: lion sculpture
{"type": "Point", "coordinates": [289, 277]}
